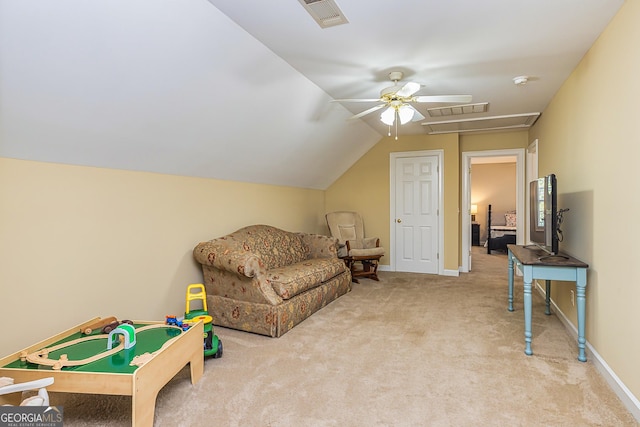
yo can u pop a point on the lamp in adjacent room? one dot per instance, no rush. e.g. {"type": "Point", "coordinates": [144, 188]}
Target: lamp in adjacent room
{"type": "Point", "coordinates": [473, 211]}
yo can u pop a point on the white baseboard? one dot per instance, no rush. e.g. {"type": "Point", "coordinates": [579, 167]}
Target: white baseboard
{"type": "Point", "coordinates": [454, 273]}
{"type": "Point", "coordinates": [630, 401]}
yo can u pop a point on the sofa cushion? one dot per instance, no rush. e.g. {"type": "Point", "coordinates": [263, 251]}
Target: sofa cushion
{"type": "Point", "coordinates": [296, 278]}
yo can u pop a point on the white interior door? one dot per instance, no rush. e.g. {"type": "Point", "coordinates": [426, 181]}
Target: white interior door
{"type": "Point", "coordinates": [416, 214]}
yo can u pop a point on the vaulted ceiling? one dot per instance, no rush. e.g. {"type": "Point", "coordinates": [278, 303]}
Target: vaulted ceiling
{"type": "Point", "coordinates": [241, 90]}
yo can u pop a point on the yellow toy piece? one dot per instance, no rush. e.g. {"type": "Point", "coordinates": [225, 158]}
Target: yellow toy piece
{"type": "Point", "coordinates": [193, 320]}
{"type": "Point", "coordinates": [212, 344]}
{"type": "Point", "coordinates": [196, 292]}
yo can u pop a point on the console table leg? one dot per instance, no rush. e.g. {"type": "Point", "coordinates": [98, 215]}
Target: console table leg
{"type": "Point", "coordinates": [510, 277]}
{"type": "Point", "coordinates": [527, 309]}
{"type": "Point", "coordinates": [547, 297]}
{"type": "Point", "coordinates": [581, 285]}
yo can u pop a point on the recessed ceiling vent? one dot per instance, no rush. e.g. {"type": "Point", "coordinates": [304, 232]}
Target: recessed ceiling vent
{"type": "Point", "coordinates": [494, 123]}
{"type": "Point", "coordinates": [325, 12]}
{"type": "Point", "coordinates": [457, 110]}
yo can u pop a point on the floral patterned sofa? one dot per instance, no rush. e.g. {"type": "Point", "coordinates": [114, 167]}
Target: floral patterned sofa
{"type": "Point", "coordinates": [265, 280]}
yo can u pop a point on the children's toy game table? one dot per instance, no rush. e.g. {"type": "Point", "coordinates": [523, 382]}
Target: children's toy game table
{"type": "Point", "coordinates": [161, 351]}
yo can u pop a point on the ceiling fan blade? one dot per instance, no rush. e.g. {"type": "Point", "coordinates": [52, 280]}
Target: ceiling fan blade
{"type": "Point", "coordinates": [365, 112]}
{"type": "Point", "coordinates": [408, 89]}
{"type": "Point", "coordinates": [356, 100]}
{"type": "Point", "coordinates": [462, 99]}
{"type": "Point", "coordinates": [417, 116]}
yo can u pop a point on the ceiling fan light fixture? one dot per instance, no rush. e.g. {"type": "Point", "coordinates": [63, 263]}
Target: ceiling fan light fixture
{"type": "Point", "coordinates": [406, 114]}
{"type": "Point", "coordinates": [388, 116]}
{"type": "Point", "coordinates": [397, 100]}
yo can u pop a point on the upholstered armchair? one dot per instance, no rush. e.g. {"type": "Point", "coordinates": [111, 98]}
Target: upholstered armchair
{"type": "Point", "coordinates": [353, 246]}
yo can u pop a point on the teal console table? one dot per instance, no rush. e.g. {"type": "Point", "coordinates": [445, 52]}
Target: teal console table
{"type": "Point", "coordinates": [535, 264]}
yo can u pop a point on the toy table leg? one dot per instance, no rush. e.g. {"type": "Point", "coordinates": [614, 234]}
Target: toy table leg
{"type": "Point", "coordinates": [196, 366]}
{"type": "Point", "coordinates": [152, 376]}
{"type": "Point", "coordinates": [143, 403]}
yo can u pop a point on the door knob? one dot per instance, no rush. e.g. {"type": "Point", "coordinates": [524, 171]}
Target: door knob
{"type": "Point", "coordinates": [398, 220]}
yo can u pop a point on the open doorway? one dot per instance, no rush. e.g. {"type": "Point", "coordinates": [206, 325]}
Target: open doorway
{"type": "Point", "coordinates": [515, 157]}
{"type": "Point", "coordinates": [493, 184]}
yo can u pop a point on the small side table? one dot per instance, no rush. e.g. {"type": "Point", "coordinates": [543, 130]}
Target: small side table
{"type": "Point", "coordinates": [475, 234]}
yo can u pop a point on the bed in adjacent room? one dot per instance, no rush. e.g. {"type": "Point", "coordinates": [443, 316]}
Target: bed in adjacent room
{"type": "Point", "coordinates": [501, 230]}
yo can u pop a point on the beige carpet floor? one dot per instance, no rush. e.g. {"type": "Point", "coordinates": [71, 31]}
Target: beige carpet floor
{"type": "Point", "coordinates": [410, 350]}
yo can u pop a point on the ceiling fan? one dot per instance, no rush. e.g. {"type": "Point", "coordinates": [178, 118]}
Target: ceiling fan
{"type": "Point", "coordinates": [398, 99]}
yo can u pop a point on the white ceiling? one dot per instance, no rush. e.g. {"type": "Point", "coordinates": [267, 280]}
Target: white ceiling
{"type": "Point", "coordinates": [241, 91]}
{"type": "Point", "coordinates": [450, 47]}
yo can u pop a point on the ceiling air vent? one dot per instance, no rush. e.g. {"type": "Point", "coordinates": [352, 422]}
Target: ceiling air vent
{"type": "Point", "coordinates": [325, 12]}
{"type": "Point", "coordinates": [457, 110]}
{"type": "Point", "coordinates": [494, 123]}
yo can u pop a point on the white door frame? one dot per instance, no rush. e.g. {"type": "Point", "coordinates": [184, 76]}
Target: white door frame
{"type": "Point", "coordinates": [467, 156]}
{"type": "Point", "coordinates": [532, 173]}
{"type": "Point", "coordinates": [392, 203]}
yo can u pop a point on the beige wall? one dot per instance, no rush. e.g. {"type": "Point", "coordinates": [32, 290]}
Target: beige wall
{"type": "Point", "coordinates": [588, 136]}
{"type": "Point", "coordinates": [365, 188]}
{"type": "Point", "coordinates": [493, 184]}
{"type": "Point", "coordinates": [494, 141]}
{"type": "Point", "coordinates": [79, 242]}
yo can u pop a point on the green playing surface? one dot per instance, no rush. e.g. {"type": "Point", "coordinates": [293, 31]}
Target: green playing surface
{"type": "Point", "coordinates": [147, 341]}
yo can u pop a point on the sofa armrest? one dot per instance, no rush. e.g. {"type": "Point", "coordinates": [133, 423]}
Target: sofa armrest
{"type": "Point", "coordinates": [320, 246]}
{"type": "Point", "coordinates": [234, 273]}
{"type": "Point", "coordinates": [217, 253]}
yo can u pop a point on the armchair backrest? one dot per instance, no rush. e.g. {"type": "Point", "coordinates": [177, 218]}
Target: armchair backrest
{"type": "Point", "coordinates": [345, 225]}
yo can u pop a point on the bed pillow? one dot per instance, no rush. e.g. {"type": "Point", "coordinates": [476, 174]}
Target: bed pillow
{"type": "Point", "coordinates": [510, 219]}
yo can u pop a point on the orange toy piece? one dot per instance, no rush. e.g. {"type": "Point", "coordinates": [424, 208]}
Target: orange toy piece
{"type": "Point", "coordinates": [98, 325]}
